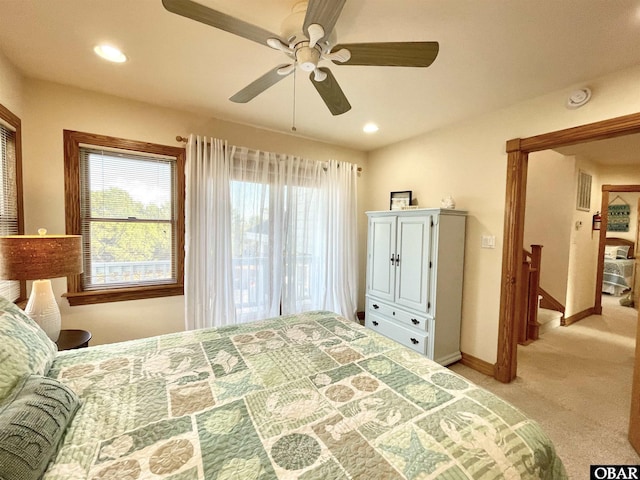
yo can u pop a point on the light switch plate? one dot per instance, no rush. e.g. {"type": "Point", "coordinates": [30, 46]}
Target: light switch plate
{"type": "Point", "coordinates": [488, 241]}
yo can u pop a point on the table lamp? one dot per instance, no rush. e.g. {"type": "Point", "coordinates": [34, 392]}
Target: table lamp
{"type": "Point", "coordinates": [39, 258]}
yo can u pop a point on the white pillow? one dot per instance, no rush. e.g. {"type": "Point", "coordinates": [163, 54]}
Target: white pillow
{"type": "Point", "coordinates": [610, 252]}
{"type": "Point", "coordinates": [25, 348]}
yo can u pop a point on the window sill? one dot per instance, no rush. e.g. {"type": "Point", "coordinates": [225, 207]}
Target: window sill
{"type": "Point", "coordinates": [123, 294]}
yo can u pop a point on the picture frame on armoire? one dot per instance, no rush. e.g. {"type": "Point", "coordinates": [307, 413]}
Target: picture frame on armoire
{"type": "Point", "coordinates": [398, 200]}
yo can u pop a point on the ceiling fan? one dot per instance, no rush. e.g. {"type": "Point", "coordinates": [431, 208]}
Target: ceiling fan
{"type": "Point", "coordinates": [308, 37]}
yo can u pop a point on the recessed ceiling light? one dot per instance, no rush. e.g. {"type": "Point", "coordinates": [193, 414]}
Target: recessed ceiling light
{"type": "Point", "coordinates": [110, 53]}
{"type": "Point", "coordinates": [370, 128]}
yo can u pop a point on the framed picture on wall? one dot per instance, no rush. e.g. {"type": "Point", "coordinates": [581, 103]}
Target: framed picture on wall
{"type": "Point", "coordinates": [399, 200]}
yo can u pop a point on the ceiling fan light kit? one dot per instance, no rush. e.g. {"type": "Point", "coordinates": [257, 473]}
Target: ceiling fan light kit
{"type": "Point", "coordinates": [308, 37]}
{"type": "Point", "coordinates": [307, 58]}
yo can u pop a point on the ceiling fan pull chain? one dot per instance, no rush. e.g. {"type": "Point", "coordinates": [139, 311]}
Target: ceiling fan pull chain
{"type": "Point", "coordinates": [293, 121]}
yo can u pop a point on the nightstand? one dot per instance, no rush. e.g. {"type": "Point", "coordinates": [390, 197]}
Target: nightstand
{"type": "Point", "coordinates": [70, 339]}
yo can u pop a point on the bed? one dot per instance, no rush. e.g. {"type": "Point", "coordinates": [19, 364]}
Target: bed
{"type": "Point", "coordinates": [619, 266]}
{"type": "Point", "coordinates": [310, 396]}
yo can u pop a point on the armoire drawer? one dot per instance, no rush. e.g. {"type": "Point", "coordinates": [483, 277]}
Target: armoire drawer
{"type": "Point", "coordinates": [414, 339]}
{"type": "Point", "coordinates": [385, 310]}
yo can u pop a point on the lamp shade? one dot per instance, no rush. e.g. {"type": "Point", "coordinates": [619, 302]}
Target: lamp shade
{"type": "Point", "coordinates": [37, 257]}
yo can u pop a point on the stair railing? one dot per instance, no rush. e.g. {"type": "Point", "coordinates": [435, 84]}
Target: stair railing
{"type": "Point", "coordinates": [529, 327]}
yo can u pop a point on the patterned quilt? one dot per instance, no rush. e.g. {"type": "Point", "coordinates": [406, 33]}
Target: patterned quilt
{"type": "Point", "coordinates": [618, 273]}
{"type": "Point", "coordinates": [311, 396]}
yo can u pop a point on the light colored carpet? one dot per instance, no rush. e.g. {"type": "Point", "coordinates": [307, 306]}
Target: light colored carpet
{"type": "Point", "coordinates": [576, 382]}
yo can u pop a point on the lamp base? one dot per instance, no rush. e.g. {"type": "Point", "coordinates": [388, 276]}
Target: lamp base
{"type": "Point", "coordinates": [43, 308]}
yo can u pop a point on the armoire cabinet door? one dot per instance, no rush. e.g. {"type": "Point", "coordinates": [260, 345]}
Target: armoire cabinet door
{"type": "Point", "coordinates": [413, 254]}
{"type": "Point", "coordinates": [382, 245]}
{"type": "Point", "coordinates": [415, 265]}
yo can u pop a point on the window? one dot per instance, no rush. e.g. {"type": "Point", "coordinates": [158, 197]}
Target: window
{"type": "Point", "coordinates": [277, 235]}
{"type": "Point", "coordinates": [11, 218]}
{"type": "Point", "coordinates": [126, 199]}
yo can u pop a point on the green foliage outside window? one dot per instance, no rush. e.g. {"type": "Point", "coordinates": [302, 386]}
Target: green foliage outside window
{"type": "Point", "coordinates": [132, 240]}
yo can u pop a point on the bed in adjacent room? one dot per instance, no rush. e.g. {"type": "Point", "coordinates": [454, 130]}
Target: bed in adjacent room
{"type": "Point", "coordinates": [619, 266]}
{"type": "Point", "coordinates": [310, 396]}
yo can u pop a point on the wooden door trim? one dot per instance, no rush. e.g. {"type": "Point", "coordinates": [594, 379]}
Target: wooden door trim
{"type": "Point", "coordinates": [606, 190]}
{"type": "Point", "coordinates": [597, 304]}
{"type": "Point", "coordinates": [510, 300]}
{"type": "Point", "coordinates": [517, 160]}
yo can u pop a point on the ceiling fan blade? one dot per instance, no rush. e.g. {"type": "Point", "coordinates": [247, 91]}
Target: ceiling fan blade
{"type": "Point", "coordinates": [259, 85]}
{"type": "Point", "coordinates": [208, 16]}
{"type": "Point", "coordinates": [323, 12]}
{"type": "Point", "coordinates": [331, 92]}
{"type": "Point", "coordinates": [391, 54]}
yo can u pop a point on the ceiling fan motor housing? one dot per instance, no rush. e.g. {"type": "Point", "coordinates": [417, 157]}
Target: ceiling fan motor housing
{"type": "Point", "coordinates": [307, 58]}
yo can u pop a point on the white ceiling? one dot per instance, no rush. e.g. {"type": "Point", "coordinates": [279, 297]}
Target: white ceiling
{"type": "Point", "coordinates": [492, 54]}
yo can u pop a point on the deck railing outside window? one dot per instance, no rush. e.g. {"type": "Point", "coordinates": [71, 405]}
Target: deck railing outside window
{"type": "Point", "coordinates": [248, 277]}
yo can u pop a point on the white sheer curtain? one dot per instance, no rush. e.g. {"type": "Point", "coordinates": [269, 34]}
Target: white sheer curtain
{"type": "Point", "coordinates": [256, 206]}
{"type": "Point", "coordinates": [341, 220]}
{"type": "Point", "coordinates": [322, 240]}
{"type": "Point", "coordinates": [208, 281]}
{"type": "Point", "coordinates": [271, 233]}
{"type": "Point", "coordinates": [305, 239]}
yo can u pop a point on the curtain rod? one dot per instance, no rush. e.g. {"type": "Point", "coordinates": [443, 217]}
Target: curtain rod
{"type": "Point", "coordinates": [180, 138]}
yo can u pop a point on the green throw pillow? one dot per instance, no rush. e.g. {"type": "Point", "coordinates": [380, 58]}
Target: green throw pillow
{"type": "Point", "coordinates": [33, 420]}
{"type": "Point", "coordinates": [24, 347]}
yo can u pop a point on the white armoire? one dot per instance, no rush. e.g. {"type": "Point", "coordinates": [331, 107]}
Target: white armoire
{"type": "Point", "coordinates": [415, 261]}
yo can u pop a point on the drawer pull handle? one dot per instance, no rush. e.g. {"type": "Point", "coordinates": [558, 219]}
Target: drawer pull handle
{"type": "Point", "coordinates": [375, 306]}
{"type": "Point", "coordinates": [397, 260]}
{"type": "Point", "coordinates": [414, 341]}
{"type": "Point", "coordinates": [415, 321]}
{"type": "Point", "coordinates": [393, 258]}
{"type": "Point", "coordinates": [375, 323]}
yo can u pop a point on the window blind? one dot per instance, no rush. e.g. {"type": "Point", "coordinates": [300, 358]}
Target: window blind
{"type": "Point", "coordinates": [128, 219]}
{"type": "Point", "coordinates": [10, 289]}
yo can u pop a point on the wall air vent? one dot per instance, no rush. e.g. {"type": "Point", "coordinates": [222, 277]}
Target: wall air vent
{"type": "Point", "coordinates": [583, 200]}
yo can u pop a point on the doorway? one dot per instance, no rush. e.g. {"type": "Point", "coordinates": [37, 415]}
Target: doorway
{"type": "Point", "coordinates": [517, 161]}
{"type": "Point", "coordinates": [510, 305]}
{"type": "Point", "coordinates": [607, 191]}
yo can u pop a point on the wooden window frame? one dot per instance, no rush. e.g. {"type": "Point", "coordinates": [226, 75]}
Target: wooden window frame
{"type": "Point", "coordinates": [72, 183]}
{"type": "Point", "coordinates": [14, 121]}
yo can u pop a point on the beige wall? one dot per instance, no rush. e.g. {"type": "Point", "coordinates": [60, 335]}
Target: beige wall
{"type": "Point", "coordinates": [468, 160]}
{"type": "Point", "coordinates": [549, 216]}
{"type": "Point", "coordinates": [49, 108]}
{"type": "Point", "coordinates": [621, 175]}
{"type": "Point", "coordinates": [583, 255]}
{"type": "Point", "coordinates": [11, 81]}
{"type": "Point", "coordinates": [584, 248]}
